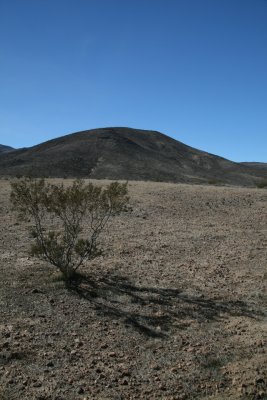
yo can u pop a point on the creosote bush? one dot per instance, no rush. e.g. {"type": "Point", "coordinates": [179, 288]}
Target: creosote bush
{"type": "Point", "coordinates": [67, 220]}
{"type": "Point", "coordinates": [262, 185]}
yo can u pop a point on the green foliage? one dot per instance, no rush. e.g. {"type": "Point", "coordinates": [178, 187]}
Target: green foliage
{"type": "Point", "coordinates": [67, 220]}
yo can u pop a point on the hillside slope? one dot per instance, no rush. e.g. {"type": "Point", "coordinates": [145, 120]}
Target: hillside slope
{"type": "Point", "coordinates": [125, 153]}
{"type": "Point", "coordinates": [5, 149]}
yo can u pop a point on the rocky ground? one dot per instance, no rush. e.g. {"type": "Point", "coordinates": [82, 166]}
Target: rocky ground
{"type": "Point", "coordinates": [174, 309]}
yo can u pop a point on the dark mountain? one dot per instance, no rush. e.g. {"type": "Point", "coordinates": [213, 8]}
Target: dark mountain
{"type": "Point", "coordinates": [125, 153]}
{"type": "Point", "coordinates": [5, 149]}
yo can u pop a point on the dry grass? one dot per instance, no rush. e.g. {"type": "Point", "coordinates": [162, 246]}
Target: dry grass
{"type": "Point", "coordinates": [175, 309]}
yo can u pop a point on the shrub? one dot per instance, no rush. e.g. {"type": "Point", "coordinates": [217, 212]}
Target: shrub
{"type": "Point", "coordinates": [261, 185]}
{"type": "Point", "coordinates": [67, 220]}
{"type": "Point", "coordinates": [215, 182]}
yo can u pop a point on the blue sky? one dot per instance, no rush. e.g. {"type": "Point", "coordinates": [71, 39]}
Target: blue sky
{"type": "Point", "coordinates": [195, 70]}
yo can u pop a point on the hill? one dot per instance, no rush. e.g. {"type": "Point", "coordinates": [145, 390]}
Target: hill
{"type": "Point", "coordinates": [258, 165]}
{"type": "Point", "coordinates": [125, 153]}
{"type": "Point", "coordinates": [5, 149]}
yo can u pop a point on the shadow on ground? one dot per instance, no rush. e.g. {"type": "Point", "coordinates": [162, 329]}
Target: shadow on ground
{"type": "Point", "coordinates": [153, 311]}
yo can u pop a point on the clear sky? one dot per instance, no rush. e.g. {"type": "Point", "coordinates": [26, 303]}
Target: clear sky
{"type": "Point", "coordinates": [195, 70]}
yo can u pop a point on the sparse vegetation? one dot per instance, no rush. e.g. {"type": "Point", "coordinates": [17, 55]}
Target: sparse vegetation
{"type": "Point", "coordinates": [67, 221]}
{"type": "Point", "coordinates": [174, 310]}
{"type": "Point", "coordinates": [262, 185]}
{"type": "Point", "coordinates": [215, 182]}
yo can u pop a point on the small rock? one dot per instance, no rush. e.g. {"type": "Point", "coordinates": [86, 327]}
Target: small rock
{"type": "Point", "coordinates": [35, 290]}
{"type": "Point", "coordinates": [190, 349]}
{"type": "Point", "coordinates": [78, 342]}
{"type": "Point", "coordinates": [50, 364]}
{"type": "Point", "coordinates": [162, 387]}
{"type": "Point", "coordinates": [80, 390]}
{"type": "Point", "coordinates": [125, 372]}
{"type": "Point", "coordinates": [37, 384]}
{"type": "Point", "coordinates": [155, 367]}
{"type": "Point", "coordinates": [259, 381]}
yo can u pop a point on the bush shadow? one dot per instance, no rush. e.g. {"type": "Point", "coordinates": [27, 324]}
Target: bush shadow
{"type": "Point", "coordinates": [153, 311]}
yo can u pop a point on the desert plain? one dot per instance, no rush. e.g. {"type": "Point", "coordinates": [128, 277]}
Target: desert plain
{"type": "Point", "coordinates": [175, 308]}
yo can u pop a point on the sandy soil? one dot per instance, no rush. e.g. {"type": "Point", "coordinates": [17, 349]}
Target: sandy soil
{"type": "Point", "coordinates": [174, 309]}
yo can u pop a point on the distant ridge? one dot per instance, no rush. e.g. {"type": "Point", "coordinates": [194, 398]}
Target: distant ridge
{"type": "Point", "coordinates": [128, 154]}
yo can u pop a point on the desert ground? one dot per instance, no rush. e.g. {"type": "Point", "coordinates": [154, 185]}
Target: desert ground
{"type": "Point", "coordinates": [175, 308]}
